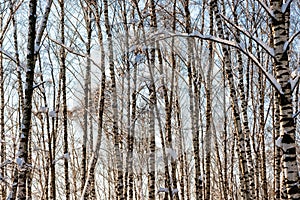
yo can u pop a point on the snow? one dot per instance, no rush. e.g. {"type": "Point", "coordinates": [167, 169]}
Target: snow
{"type": "Point", "coordinates": [294, 82]}
{"type": "Point", "coordinates": [286, 146]}
{"type": "Point", "coordinates": [265, 46]}
{"type": "Point", "coordinates": [43, 109]}
{"type": "Point", "coordinates": [287, 43]}
{"type": "Point", "coordinates": [285, 5]}
{"type": "Point", "coordinates": [166, 190]}
{"type": "Point", "coordinates": [283, 146]}
{"type": "Point", "coordinates": [278, 142]}
{"type": "Point", "coordinates": [163, 190]}
{"type": "Point", "coordinates": [174, 191]}
{"type": "Point", "coordinates": [269, 76]}
{"type": "Point", "coordinates": [200, 178]}
{"type": "Point", "coordinates": [285, 46]}
{"type": "Point", "coordinates": [52, 113]}
{"type": "Point", "coordinates": [267, 9]}
{"type": "Point", "coordinates": [132, 48]}
{"type": "Point", "coordinates": [67, 156]}
{"type": "Point", "coordinates": [20, 161]}
{"type": "Point", "coordinates": [172, 153]}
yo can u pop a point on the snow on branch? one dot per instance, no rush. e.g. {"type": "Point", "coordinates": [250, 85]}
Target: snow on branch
{"type": "Point", "coordinates": [166, 190]}
{"type": "Point", "coordinates": [282, 142]}
{"type": "Point", "coordinates": [296, 114]}
{"type": "Point", "coordinates": [239, 46]}
{"type": "Point", "coordinates": [7, 162]}
{"type": "Point", "coordinates": [295, 77]}
{"type": "Point", "coordinates": [294, 83]}
{"type": "Point", "coordinates": [10, 56]}
{"type": "Point", "coordinates": [70, 50]}
{"type": "Point", "coordinates": [265, 46]}
{"type": "Point", "coordinates": [286, 5]}
{"type": "Point", "coordinates": [267, 9]}
{"type": "Point", "coordinates": [287, 43]}
{"type": "Point", "coordinates": [65, 156]}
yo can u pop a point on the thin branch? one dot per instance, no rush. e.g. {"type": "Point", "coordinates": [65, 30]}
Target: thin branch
{"type": "Point", "coordinates": [239, 46]}
{"type": "Point", "coordinates": [267, 9]}
{"type": "Point", "coordinates": [70, 50]}
{"type": "Point", "coordinates": [265, 46]}
{"type": "Point", "coordinates": [5, 28]}
{"type": "Point", "coordinates": [11, 57]}
{"type": "Point", "coordinates": [287, 43]}
{"type": "Point", "coordinates": [42, 26]}
{"type": "Point", "coordinates": [294, 83]}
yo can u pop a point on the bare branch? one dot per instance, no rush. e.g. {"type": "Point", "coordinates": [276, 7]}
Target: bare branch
{"type": "Point", "coordinates": [287, 43]}
{"type": "Point", "coordinates": [265, 46]}
{"type": "Point", "coordinates": [70, 50]}
{"type": "Point", "coordinates": [267, 9]}
{"type": "Point", "coordinates": [233, 44]}
{"type": "Point", "coordinates": [11, 57]}
{"type": "Point", "coordinates": [294, 83]}
{"type": "Point", "coordinates": [5, 28]}
{"type": "Point", "coordinates": [42, 26]}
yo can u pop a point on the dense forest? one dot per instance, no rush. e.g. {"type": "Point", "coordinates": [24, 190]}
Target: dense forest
{"type": "Point", "coordinates": [149, 99]}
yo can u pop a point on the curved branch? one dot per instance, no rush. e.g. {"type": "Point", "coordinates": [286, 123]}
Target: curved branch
{"type": "Point", "coordinates": [239, 46]}
{"type": "Point", "coordinates": [267, 9]}
{"type": "Point", "coordinates": [287, 43]}
{"type": "Point", "coordinates": [265, 46]}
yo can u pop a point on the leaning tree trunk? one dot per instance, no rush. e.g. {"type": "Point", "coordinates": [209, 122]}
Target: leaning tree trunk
{"type": "Point", "coordinates": [90, 180]}
{"type": "Point", "coordinates": [244, 110]}
{"type": "Point", "coordinates": [244, 179]}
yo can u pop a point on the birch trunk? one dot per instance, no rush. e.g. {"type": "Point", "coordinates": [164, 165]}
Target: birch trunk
{"type": "Point", "coordinates": [244, 110]}
{"type": "Point", "coordinates": [286, 141]}
{"type": "Point", "coordinates": [208, 90]}
{"type": "Point", "coordinates": [245, 185]}
{"type": "Point", "coordinates": [115, 131]}
{"type": "Point", "coordinates": [193, 107]}
{"type": "Point", "coordinates": [64, 100]}
{"type": "Point", "coordinates": [3, 187]}
{"type": "Point", "coordinates": [22, 159]}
